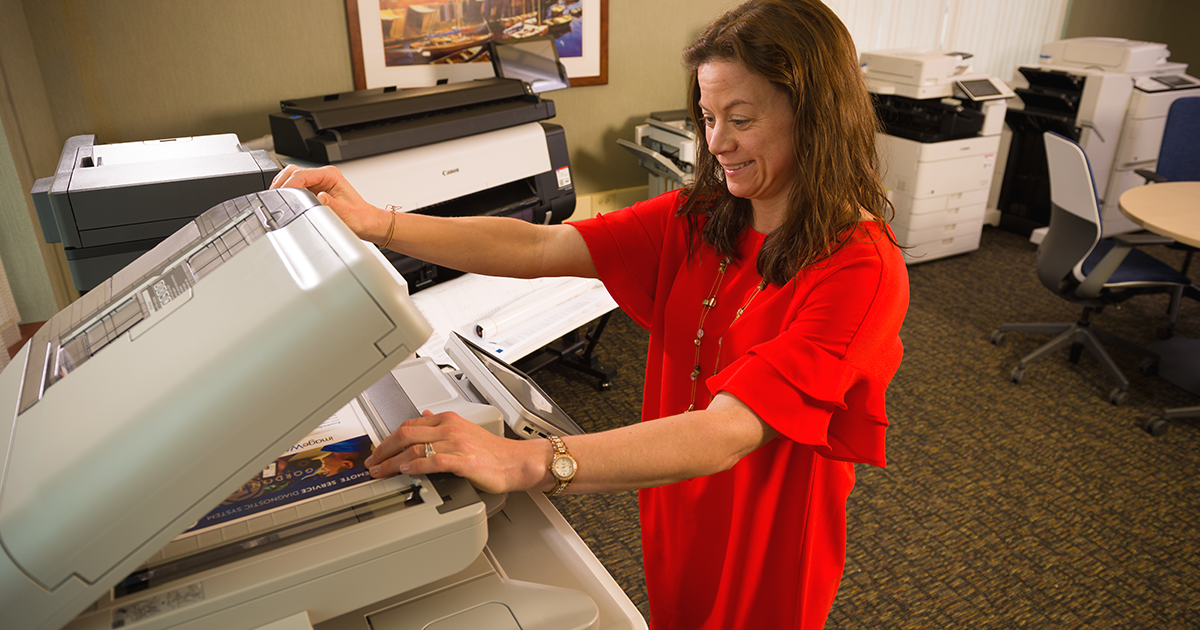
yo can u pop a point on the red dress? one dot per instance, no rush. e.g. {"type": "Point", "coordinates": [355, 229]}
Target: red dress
{"type": "Point", "coordinates": [761, 545]}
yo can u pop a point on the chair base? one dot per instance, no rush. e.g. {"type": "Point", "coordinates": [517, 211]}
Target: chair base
{"type": "Point", "coordinates": [1078, 335]}
{"type": "Point", "coordinates": [1157, 425]}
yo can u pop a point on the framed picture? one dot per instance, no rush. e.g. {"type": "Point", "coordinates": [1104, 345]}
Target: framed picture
{"type": "Point", "coordinates": [410, 43]}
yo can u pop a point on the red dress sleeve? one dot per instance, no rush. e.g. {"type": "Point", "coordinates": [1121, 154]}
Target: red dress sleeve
{"type": "Point", "coordinates": [627, 249]}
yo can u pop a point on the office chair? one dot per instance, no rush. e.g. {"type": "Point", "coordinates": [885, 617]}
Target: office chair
{"type": "Point", "coordinates": [1083, 269]}
{"type": "Point", "coordinates": [1179, 154]}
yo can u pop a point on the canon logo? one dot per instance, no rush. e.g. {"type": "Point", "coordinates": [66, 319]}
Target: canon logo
{"type": "Point", "coordinates": [450, 171]}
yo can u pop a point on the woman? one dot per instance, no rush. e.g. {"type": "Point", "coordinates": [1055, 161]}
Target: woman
{"type": "Point", "coordinates": [774, 295]}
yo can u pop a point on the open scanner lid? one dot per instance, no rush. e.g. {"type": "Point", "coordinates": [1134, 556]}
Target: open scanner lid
{"type": "Point", "coordinates": [142, 406]}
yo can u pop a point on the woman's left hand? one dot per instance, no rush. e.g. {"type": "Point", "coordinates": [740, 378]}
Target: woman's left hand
{"type": "Point", "coordinates": [491, 463]}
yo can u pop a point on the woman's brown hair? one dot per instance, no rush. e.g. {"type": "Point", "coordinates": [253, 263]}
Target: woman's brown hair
{"type": "Point", "coordinates": [802, 48]}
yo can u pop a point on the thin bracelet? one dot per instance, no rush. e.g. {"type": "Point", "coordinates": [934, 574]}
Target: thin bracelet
{"type": "Point", "coordinates": [391, 228]}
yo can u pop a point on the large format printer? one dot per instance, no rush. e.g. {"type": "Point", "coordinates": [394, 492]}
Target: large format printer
{"type": "Point", "coordinates": [151, 401]}
{"type": "Point", "coordinates": [942, 123]}
{"type": "Point", "coordinates": [1110, 95]}
{"type": "Point", "coordinates": [460, 149]}
{"type": "Point", "coordinates": [110, 203]}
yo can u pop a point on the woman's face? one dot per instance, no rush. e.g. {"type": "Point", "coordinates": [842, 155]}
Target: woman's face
{"type": "Point", "coordinates": [748, 124]}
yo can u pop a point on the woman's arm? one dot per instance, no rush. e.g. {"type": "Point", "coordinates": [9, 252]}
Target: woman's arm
{"type": "Point", "coordinates": [637, 456]}
{"type": "Point", "coordinates": [495, 246]}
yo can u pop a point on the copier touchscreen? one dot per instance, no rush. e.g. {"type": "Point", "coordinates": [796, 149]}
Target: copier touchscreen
{"type": "Point", "coordinates": [1175, 80]}
{"type": "Point", "coordinates": [527, 409]}
{"type": "Point", "coordinates": [982, 89]}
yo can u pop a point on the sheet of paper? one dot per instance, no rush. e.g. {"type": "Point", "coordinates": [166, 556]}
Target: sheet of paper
{"type": "Point", "coordinates": [456, 306]}
{"type": "Point", "coordinates": [520, 341]}
{"type": "Point", "coordinates": [540, 302]}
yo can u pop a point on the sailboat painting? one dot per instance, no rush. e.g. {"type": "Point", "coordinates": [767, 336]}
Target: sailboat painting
{"type": "Point", "coordinates": [407, 43]}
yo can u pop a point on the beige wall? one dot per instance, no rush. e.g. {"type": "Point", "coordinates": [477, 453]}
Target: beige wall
{"type": "Point", "coordinates": [147, 69]}
{"type": "Point", "coordinates": [31, 264]}
{"type": "Point", "coordinates": [128, 70]}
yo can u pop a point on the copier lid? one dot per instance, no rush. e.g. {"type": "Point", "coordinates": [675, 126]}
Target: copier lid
{"type": "Point", "coordinates": [108, 459]}
{"type": "Point", "coordinates": [1111, 54]}
{"type": "Point", "coordinates": [916, 66]}
{"type": "Point", "coordinates": [146, 163]}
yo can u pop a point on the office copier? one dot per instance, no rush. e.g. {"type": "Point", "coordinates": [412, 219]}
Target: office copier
{"type": "Point", "coordinates": [1108, 94]}
{"type": "Point", "coordinates": [201, 381]}
{"type": "Point", "coordinates": [460, 149]}
{"type": "Point", "coordinates": [665, 145]}
{"type": "Point", "coordinates": [942, 125]}
{"type": "Point", "coordinates": [110, 203]}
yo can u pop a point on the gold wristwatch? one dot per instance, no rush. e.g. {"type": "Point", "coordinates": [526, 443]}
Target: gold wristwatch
{"type": "Point", "coordinates": [562, 466]}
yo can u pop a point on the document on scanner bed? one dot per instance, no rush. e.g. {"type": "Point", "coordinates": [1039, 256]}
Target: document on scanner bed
{"type": "Point", "coordinates": [328, 459]}
{"type": "Point", "coordinates": [457, 305]}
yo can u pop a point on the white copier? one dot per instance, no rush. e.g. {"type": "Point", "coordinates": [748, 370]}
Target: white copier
{"type": "Point", "coordinates": [110, 203]}
{"type": "Point", "coordinates": [134, 418]}
{"type": "Point", "coordinates": [1111, 95]}
{"type": "Point", "coordinates": [665, 145]}
{"type": "Point", "coordinates": [942, 123]}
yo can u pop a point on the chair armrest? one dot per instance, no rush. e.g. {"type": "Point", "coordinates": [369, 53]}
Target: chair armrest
{"type": "Point", "coordinates": [1093, 284]}
{"type": "Point", "coordinates": [1150, 176]}
{"type": "Point", "coordinates": [1142, 238]}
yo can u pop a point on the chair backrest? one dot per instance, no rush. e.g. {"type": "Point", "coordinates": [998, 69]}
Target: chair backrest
{"type": "Point", "coordinates": [1074, 216]}
{"type": "Point", "coordinates": [1179, 155]}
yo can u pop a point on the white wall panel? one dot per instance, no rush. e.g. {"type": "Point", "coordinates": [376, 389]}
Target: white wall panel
{"type": "Point", "coordinates": [1001, 35]}
{"type": "Point", "coordinates": [1004, 35]}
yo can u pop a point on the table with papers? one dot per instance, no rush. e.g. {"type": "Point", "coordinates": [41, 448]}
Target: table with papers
{"type": "Point", "coordinates": [530, 314]}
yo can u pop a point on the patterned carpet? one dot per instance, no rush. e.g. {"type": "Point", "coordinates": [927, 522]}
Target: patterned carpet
{"type": "Point", "coordinates": [1002, 505]}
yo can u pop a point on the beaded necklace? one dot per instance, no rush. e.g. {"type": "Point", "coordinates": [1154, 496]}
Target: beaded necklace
{"type": "Point", "coordinates": [707, 305]}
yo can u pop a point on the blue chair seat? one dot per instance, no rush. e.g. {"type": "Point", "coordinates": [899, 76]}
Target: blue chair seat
{"type": "Point", "coordinates": [1138, 267]}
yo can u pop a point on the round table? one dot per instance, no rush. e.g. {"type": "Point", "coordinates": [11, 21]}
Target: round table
{"type": "Point", "coordinates": [1170, 209]}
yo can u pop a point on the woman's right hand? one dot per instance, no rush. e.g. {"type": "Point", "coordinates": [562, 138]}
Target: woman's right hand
{"type": "Point", "coordinates": [331, 188]}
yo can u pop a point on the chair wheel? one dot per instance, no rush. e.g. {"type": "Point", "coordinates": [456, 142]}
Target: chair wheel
{"type": "Point", "coordinates": [1156, 425]}
{"type": "Point", "coordinates": [1148, 367]}
{"type": "Point", "coordinates": [1018, 375]}
{"type": "Point", "coordinates": [997, 337]}
{"type": "Point", "coordinates": [1118, 396]}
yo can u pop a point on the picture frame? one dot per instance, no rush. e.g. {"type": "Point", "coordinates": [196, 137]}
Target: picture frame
{"type": "Point", "coordinates": [402, 61]}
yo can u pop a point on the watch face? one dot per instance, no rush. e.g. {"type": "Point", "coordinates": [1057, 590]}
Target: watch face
{"type": "Point", "coordinates": [564, 467]}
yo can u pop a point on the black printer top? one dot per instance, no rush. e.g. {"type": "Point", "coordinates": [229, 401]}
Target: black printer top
{"type": "Point", "coordinates": [367, 106]}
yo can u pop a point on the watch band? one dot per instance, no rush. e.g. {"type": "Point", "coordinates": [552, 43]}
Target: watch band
{"type": "Point", "coordinates": [560, 451]}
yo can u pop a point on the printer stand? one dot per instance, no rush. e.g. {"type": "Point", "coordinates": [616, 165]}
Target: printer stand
{"type": "Point", "coordinates": [575, 353]}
